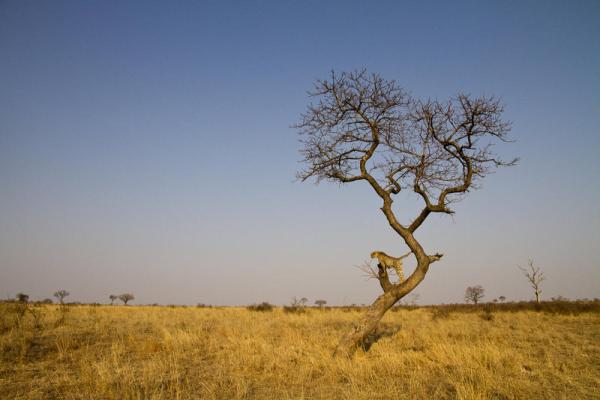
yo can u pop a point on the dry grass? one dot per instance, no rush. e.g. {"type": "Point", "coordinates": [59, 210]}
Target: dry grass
{"type": "Point", "coordinates": [232, 353]}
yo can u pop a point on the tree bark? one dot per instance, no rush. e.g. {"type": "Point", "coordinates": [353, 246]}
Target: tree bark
{"type": "Point", "coordinates": [368, 324]}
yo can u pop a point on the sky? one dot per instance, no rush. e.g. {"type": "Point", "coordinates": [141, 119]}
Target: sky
{"type": "Point", "coordinates": [147, 147]}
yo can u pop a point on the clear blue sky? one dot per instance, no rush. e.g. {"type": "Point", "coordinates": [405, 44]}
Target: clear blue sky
{"type": "Point", "coordinates": [146, 147]}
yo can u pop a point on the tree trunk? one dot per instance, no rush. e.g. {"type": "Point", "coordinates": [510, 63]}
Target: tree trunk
{"type": "Point", "coordinates": [367, 325]}
{"type": "Point", "coordinates": [380, 306]}
{"type": "Point", "coordinates": [392, 292]}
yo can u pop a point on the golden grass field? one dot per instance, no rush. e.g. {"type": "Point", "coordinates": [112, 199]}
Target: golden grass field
{"type": "Point", "coordinates": [136, 352]}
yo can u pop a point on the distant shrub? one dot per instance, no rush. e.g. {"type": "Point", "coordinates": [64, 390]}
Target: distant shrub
{"type": "Point", "coordinates": [294, 309]}
{"type": "Point", "coordinates": [551, 307]}
{"type": "Point", "coordinates": [408, 307]}
{"type": "Point", "coordinates": [351, 307]}
{"type": "Point", "coordinates": [263, 307]}
{"type": "Point", "coordinates": [22, 297]}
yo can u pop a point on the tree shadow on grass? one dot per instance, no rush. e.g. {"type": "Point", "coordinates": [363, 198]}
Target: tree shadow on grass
{"type": "Point", "coordinates": [382, 331]}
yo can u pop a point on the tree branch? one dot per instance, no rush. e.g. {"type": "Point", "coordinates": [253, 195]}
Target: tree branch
{"type": "Point", "coordinates": [384, 279]}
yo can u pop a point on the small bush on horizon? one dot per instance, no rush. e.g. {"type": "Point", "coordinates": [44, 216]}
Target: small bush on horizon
{"type": "Point", "coordinates": [294, 309]}
{"type": "Point", "coordinates": [262, 307]}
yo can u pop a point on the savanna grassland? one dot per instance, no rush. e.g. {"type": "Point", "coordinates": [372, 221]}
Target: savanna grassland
{"type": "Point", "coordinates": [136, 352]}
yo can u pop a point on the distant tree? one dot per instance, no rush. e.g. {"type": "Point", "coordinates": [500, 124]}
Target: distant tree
{"type": "Point", "coordinates": [364, 128]}
{"type": "Point", "coordinates": [112, 298]}
{"type": "Point", "coordinates": [320, 303]}
{"type": "Point", "coordinates": [125, 297]}
{"type": "Point", "coordinates": [22, 297]}
{"type": "Point", "coordinates": [296, 305]}
{"type": "Point", "coordinates": [60, 295]}
{"type": "Point", "coordinates": [299, 303]}
{"type": "Point", "coordinates": [502, 298]}
{"type": "Point", "coordinates": [535, 277]}
{"type": "Point", "coordinates": [47, 301]}
{"type": "Point", "coordinates": [473, 294]}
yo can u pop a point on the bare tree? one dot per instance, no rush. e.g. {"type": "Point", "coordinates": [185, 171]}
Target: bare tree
{"type": "Point", "coordinates": [535, 277]}
{"type": "Point", "coordinates": [365, 128]}
{"type": "Point", "coordinates": [60, 295]}
{"type": "Point", "coordinates": [126, 297]}
{"type": "Point", "coordinates": [112, 298]}
{"type": "Point", "coordinates": [474, 293]}
{"type": "Point", "coordinates": [320, 303]}
{"type": "Point", "coordinates": [299, 303]}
